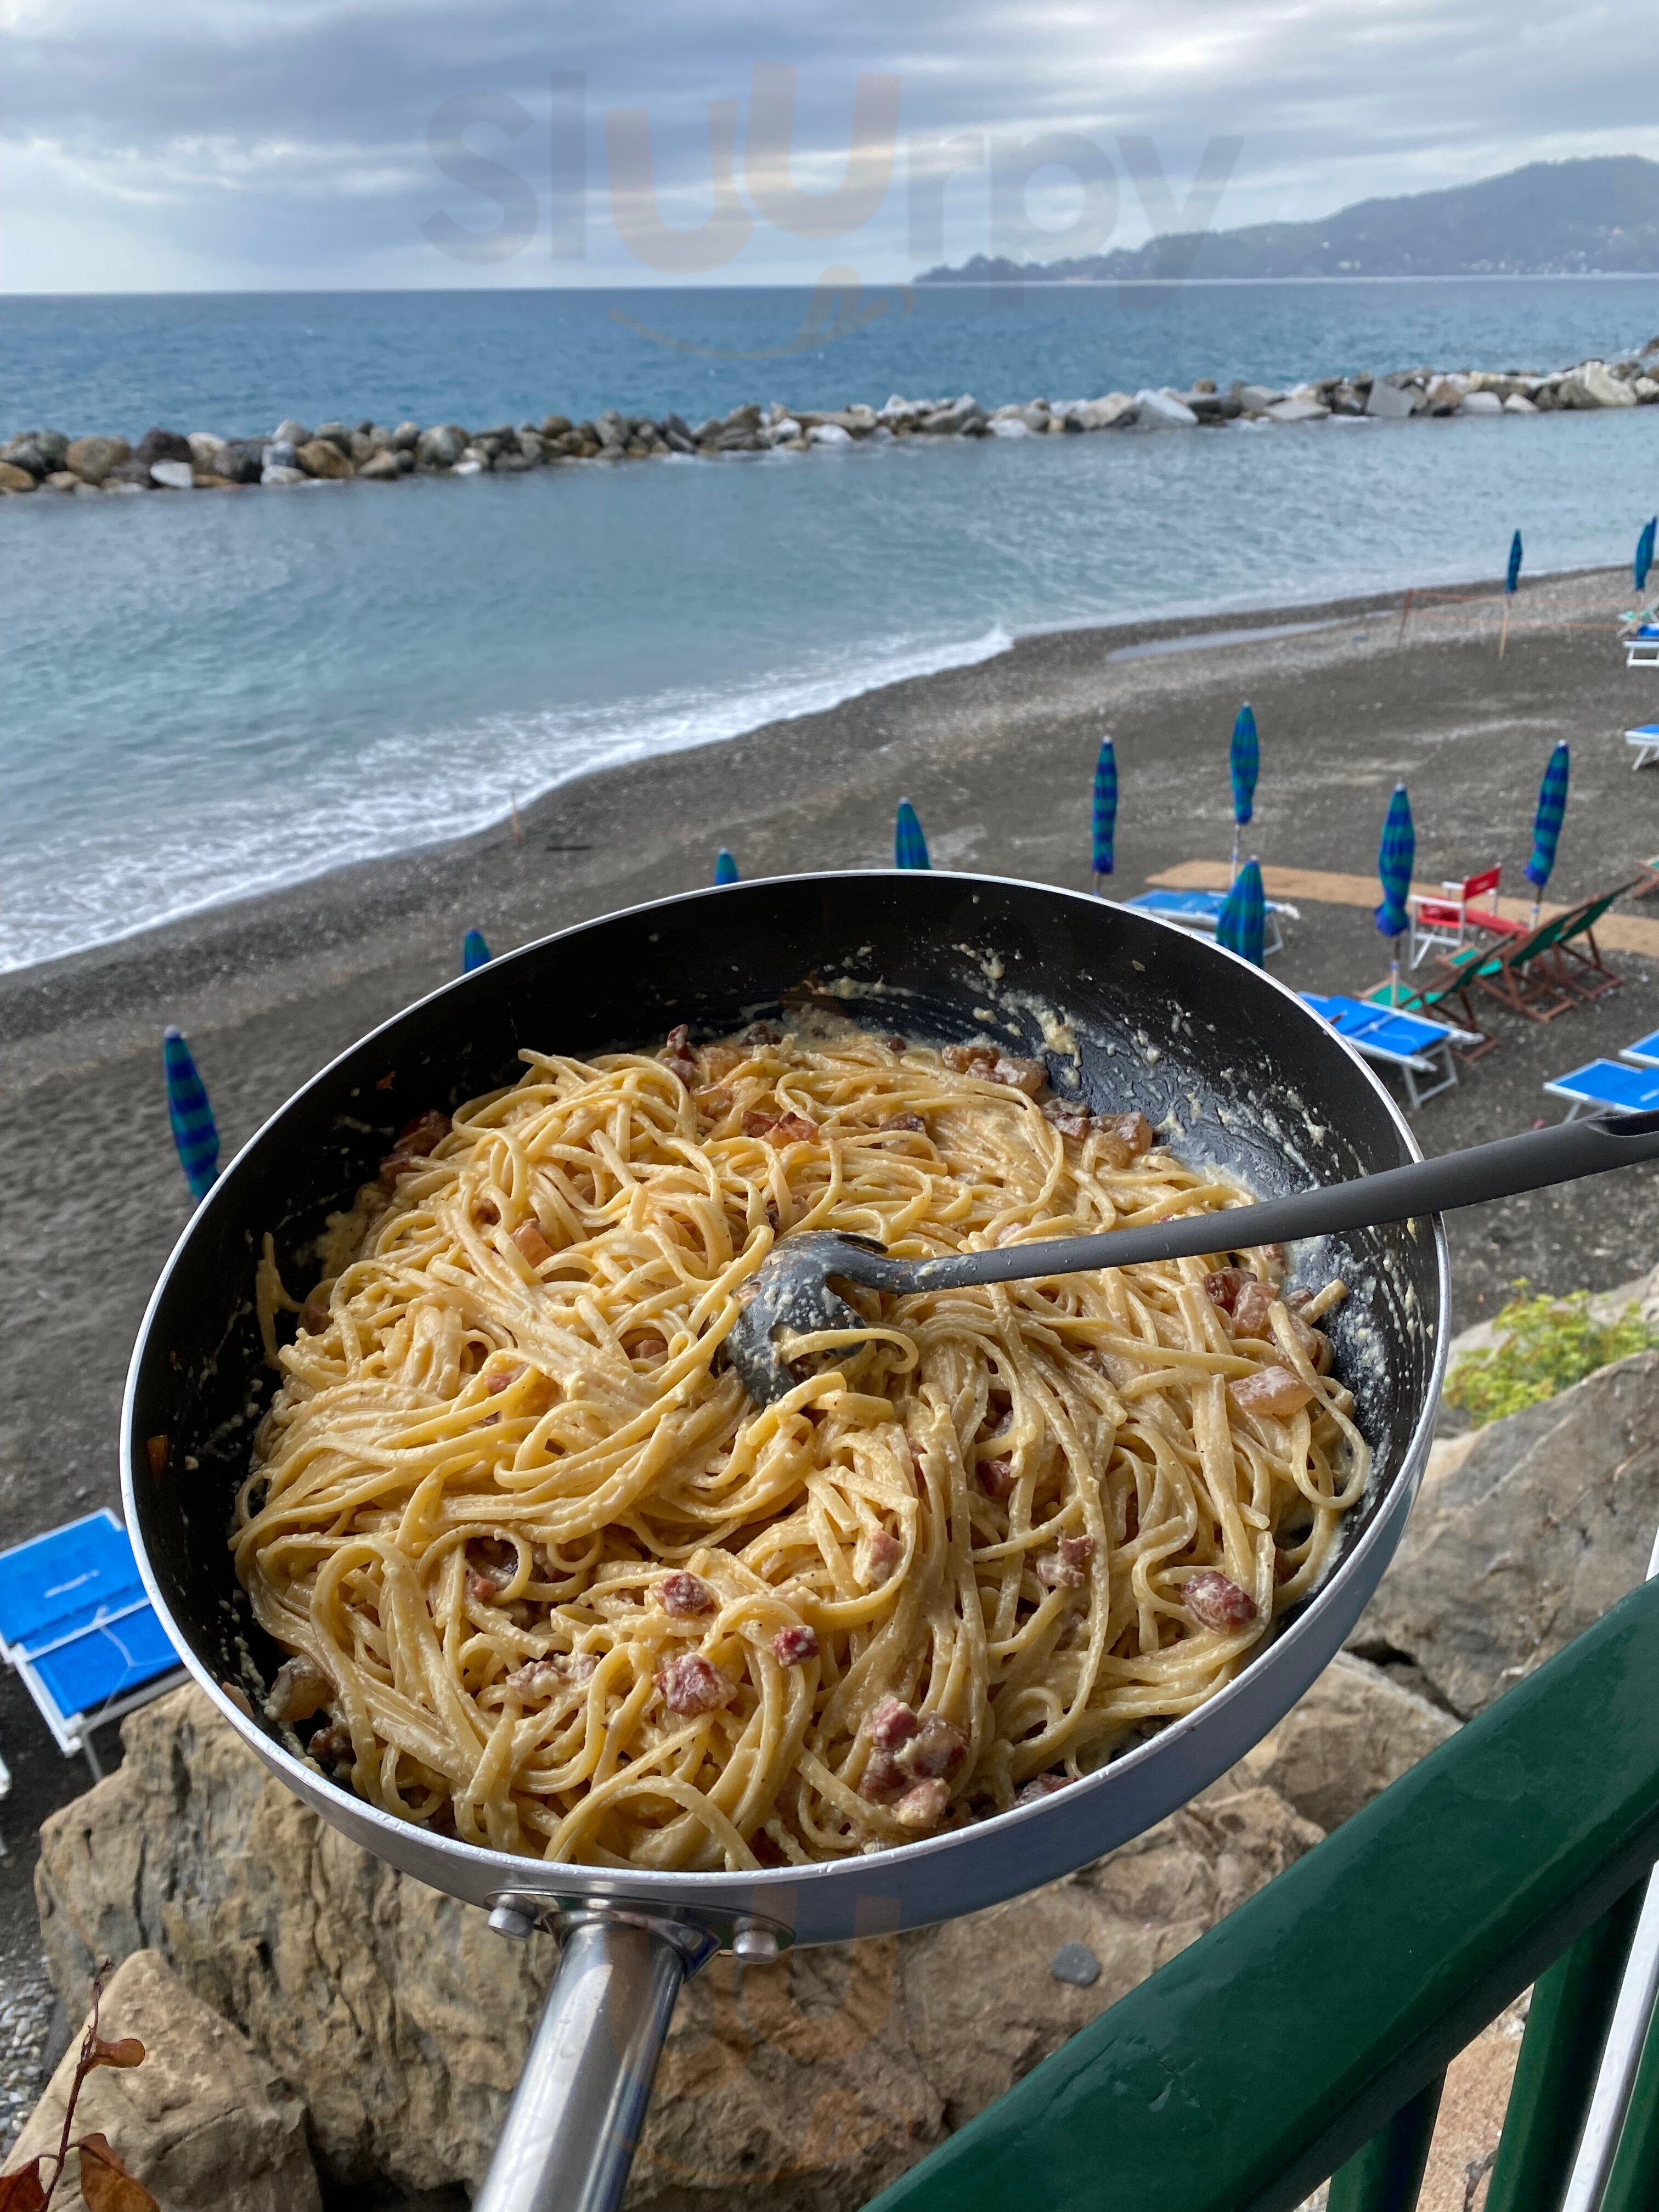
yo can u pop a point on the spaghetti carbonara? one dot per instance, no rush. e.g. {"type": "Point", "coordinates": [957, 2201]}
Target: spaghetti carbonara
{"type": "Point", "coordinates": [551, 1583]}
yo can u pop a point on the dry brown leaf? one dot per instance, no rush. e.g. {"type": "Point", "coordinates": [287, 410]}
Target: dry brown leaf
{"type": "Point", "coordinates": [105, 2182]}
{"type": "Point", "coordinates": [125, 2051]}
{"type": "Point", "coordinates": [22, 2191]}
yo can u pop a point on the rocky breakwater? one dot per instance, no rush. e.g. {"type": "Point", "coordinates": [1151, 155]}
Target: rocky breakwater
{"type": "Point", "coordinates": [202, 460]}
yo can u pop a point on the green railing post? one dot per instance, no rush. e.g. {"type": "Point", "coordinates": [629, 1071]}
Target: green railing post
{"type": "Point", "coordinates": [1386, 2175]}
{"type": "Point", "coordinates": [1267, 2054]}
{"type": "Point", "coordinates": [1566, 2030]}
{"type": "Point", "coordinates": [1633, 2183]}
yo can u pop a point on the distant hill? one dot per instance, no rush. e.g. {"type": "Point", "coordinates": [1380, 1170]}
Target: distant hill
{"type": "Point", "coordinates": [1550, 219]}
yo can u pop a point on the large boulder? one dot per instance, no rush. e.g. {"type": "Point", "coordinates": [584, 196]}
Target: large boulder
{"type": "Point", "coordinates": [92, 458]}
{"type": "Point", "coordinates": [1593, 384]}
{"type": "Point", "coordinates": [1525, 1533]}
{"type": "Point", "coordinates": [1116, 410]}
{"type": "Point", "coordinates": [158, 444]}
{"type": "Point", "coordinates": [1162, 410]}
{"type": "Point", "coordinates": [203, 2123]}
{"type": "Point", "coordinates": [441, 446]}
{"type": "Point", "coordinates": [1354, 1733]}
{"type": "Point", "coordinates": [15, 479]}
{"type": "Point", "coordinates": [403, 2021]}
{"type": "Point", "coordinates": [321, 457]}
{"type": "Point", "coordinates": [240, 461]}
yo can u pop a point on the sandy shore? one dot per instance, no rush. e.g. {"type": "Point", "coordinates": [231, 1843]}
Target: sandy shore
{"type": "Point", "coordinates": [997, 759]}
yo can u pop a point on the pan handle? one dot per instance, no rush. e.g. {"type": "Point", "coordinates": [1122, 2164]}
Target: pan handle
{"type": "Point", "coordinates": [576, 2114]}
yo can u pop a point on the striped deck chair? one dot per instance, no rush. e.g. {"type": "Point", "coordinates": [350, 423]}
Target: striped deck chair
{"type": "Point", "coordinates": [1514, 973]}
{"type": "Point", "coordinates": [1589, 976]}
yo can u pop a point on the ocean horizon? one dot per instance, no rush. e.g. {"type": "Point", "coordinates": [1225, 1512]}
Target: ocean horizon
{"type": "Point", "coordinates": [207, 698]}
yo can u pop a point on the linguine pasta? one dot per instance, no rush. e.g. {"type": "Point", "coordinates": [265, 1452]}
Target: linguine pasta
{"type": "Point", "coordinates": [552, 1585]}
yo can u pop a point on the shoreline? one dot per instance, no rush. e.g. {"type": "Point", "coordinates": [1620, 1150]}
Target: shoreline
{"type": "Point", "coordinates": [1176, 629]}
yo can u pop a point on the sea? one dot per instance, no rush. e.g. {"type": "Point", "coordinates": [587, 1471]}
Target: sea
{"type": "Point", "coordinates": [204, 698]}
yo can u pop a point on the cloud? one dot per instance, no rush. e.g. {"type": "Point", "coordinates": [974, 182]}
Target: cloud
{"type": "Point", "coordinates": [275, 143]}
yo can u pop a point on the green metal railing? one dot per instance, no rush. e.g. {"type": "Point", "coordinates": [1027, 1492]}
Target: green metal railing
{"type": "Point", "coordinates": [1308, 2035]}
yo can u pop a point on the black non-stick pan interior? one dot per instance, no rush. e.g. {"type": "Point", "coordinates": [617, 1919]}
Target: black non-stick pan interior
{"type": "Point", "coordinates": [1128, 1012]}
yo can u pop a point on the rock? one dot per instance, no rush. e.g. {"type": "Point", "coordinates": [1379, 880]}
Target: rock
{"type": "Point", "coordinates": [1444, 397]}
{"type": "Point", "coordinates": [468, 466]}
{"type": "Point", "coordinates": [403, 2021]}
{"type": "Point", "coordinates": [64, 480]}
{"type": "Point", "coordinates": [172, 475]}
{"type": "Point", "coordinates": [54, 447]}
{"type": "Point", "coordinates": [1158, 410]}
{"type": "Point", "coordinates": [1009, 426]}
{"type": "Point", "coordinates": [381, 468]}
{"type": "Point", "coordinates": [14, 480]}
{"type": "Point", "coordinates": [335, 434]}
{"type": "Point", "coordinates": [92, 458]}
{"type": "Point", "coordinates": [361, 447]}
{"type": "Point", "coordinates": [240, 461]}
{"type": "Point", "coordinates": [158, 444]}
{"type": "Point", "coordinates": [275, 473]}
{"type": "Point", "coordinates": [202, 2123]}
{"type": "Point", "coordinates": [1519, 404]}
{"type": "Point", "coordinates": [1525, 1533]}
{"type": "Point", "coordinates": [476, 453]}
{"type": "Point", "coordinates": [129, 476]}
{"type": "Point", "coordinates": [27, 453]}
{"type": "Point", "coordinates": [1481, 402]}
{"type": "Point", "coordinates": [290, 433]}
{"type": "Point", "coordinates": [204, 447]}
{"type": "Point", "coordinates": [1646, 391]}
{"type": "Point", "coordinates": [1353, 1734]}
{"type": "Point", "coordinates": [321, 457]}
{"type": "Point", "coordinates": [441, 446]}
{"type": "Point", "coordinates": [961, 416]}
{"type": "Point", "coordinates": [280, 454]}
{"type": "Point", "coordinates": [1257, 398]}
{"type": "Point", "coordinates": [826, 434]}
{"type": "Point", "coordinates": [1297, 409]}
{"type": "Point", "coordinates": [1593, 385]}
{"type": "Point", "coordinates": [1116, 410]}
{"type": "Point", "coordinates": [558, 426]}
{"type": "Point", "coordinates": [405, 437]}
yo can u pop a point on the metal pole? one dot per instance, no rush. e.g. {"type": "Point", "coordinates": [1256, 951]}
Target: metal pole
{"type": "Point", "coordinates": [576, 2115]}
{"type": "Point", "coordinates": [1632, 2018]}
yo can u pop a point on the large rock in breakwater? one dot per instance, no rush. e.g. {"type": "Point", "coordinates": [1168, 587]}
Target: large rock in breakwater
{"type": "Point", "coordinates": [92, 458]}
{"type": "Point", "coordinates": [1525, 1533]}
{"type": "Point", "coordinates": [403, 2021]}
{"type": "Point", "coordinates": [321, 457]}
{"type": "Point", "coordinates": [203, 2122]}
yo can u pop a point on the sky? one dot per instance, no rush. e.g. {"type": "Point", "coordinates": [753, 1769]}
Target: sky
{"type": "Point", "coordinates": [277, 144]}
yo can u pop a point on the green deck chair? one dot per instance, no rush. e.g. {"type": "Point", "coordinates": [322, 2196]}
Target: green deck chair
{"type": "Point", "coordinates": [1307, 2036]}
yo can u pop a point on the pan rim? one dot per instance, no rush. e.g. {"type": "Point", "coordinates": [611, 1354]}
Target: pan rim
{"type": "Point", "coordinates": [712, 1889]}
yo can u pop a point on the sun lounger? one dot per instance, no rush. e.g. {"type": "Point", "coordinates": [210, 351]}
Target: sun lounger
{"type": "Point", "coordinates": [1416, 1047]}
{"type": "Point", "coordinates": [1515, 973]}
{"type": "Point", "coordinates": [1432, 1001]}
{"type": "Point", "coordinates": [1644, 743]}
{"type": "Point", "coordinates": [1201, 913]}
{"type": "Point", "coordinates": [1607, 1082]}
{"type": "Point", "coordinates": [1589, 975]}
{"type": "Point", "coordinates": [1644, 1052]}
{"type": "Point", "coordinates": [1642, 647]}
{"type": "Point", "coordinates": [76, 1624]}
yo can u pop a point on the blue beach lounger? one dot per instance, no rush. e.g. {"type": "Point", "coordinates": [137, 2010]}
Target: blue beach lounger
{"type": "Point", "coordinates": [76, 1625]}
{"type": "Point", "coordinates": [1643, 742]}
{"type": "Point", "coordinates": [1416, 1047]}
{"type": "Point", "coordinates": [1642, 647]}
{"type": "Point", "coordinates": [1644, 1052]}
{"type": "Point", "coordinates": [1607, 1082]}
{"type": "Point", "coordinates": [1201, 913]}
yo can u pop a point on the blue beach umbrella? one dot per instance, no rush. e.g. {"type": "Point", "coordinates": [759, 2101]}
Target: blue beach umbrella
{"type": "Point", "coordinates": [1245, 764]}
{"type": "Point", "coordinates": [726, 868]}
{"type": "Point", "coordinates": [475, 953]}
{"type": "Point", "coordinates": [1645, 552]}
{"type": "Point", "coordinates": [1546, 823]}
{"type": "Point", "coordinates": [1102, 821]}
{"type": "Point", "coordinates": [1396, 857]}
{"type": "Point", "coordinates": [1512, 580]}
{"type": "Point", "coordinates": [1242, 926]}
{"type": "Point", "coordinates": [909, 846]}
{"type": "Point", "coordinates": [194, 1130]}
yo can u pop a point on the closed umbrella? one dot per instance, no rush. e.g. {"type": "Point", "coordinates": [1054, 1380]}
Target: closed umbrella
{"type": "Point", "coordinates": [1511, 586]}
{"type": "Point", "coordinates": [909, 846]}
{"type": "Point", "coordinates": [475, 953]}
{"type": "Point", "coordinates": [1394, 860]}
{"type": "Point", "coordinates": [726, 868]}
{"type": "Point", "coordinates": [195, 1133]}
{"type": "Point", "coordinates": [1242, 927]}
{"type": "Point", "coordinates": [1546, 823]}
{"type": "Point", "coordinates": [1104, 813]}
{"type": "Point", "coordinates": [1645, 553]}
{"type": "Point", "coordinates": [1245, 762]}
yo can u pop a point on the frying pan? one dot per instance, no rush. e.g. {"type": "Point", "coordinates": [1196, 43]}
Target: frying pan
{"type": "Point", "coordinates": [1128, 1013]}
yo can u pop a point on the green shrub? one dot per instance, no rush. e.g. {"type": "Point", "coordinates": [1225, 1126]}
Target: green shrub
{"type": "Point", "coordinates": [1546, 1345]}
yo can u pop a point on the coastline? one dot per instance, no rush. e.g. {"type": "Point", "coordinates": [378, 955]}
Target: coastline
{"type": "Point", "coordinates": [997, 757]}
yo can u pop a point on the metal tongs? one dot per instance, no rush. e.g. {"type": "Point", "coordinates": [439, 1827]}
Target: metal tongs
{"type": "Point", "coordinates": [792, 1291]}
